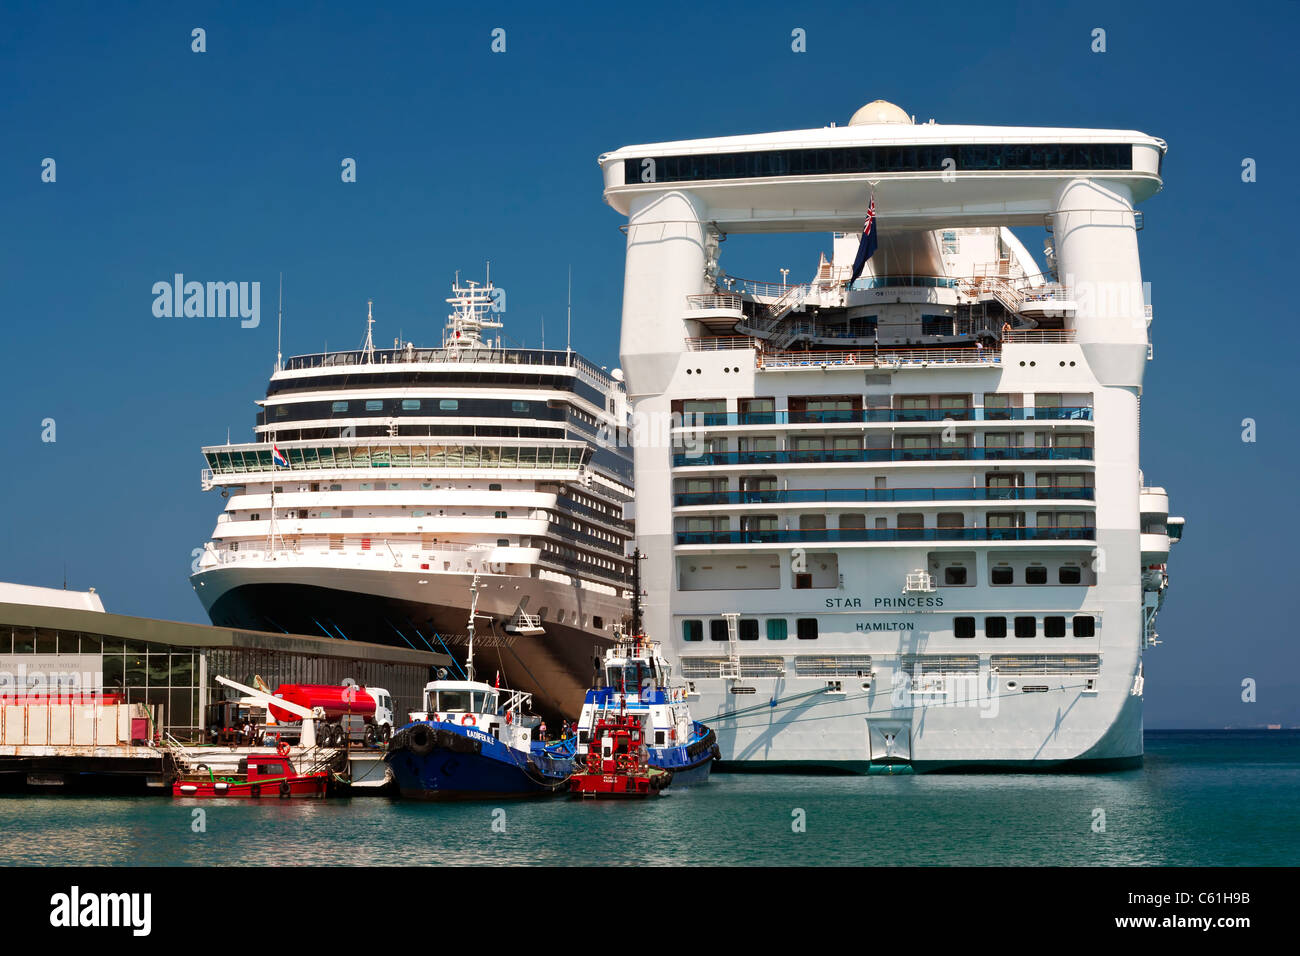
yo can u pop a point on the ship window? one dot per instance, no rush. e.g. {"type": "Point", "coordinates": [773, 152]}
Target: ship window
{"type": "Point", "coordinates": [503, 542]}
{"type": "Point", "coordinates": [692, 630]}
{"type": "Point", "coordinates": [806, 628]}
{"type": "Point", "coordinates": [374, 404]}
{"type": "Point", "coordinates": [963, 627]}
{"type": "Point", "coordinates": [598, 622]}
{"type": "Point", "coordinates": [519, 406]}
{"type": "Point", "coordinates": [776, 629]}
{"type": "Point", "coordinates": [448, 404]}
{"type": "Point", "coordinates": [717, 630]}
{"type": "Point", "coordinates": [281, 411]}
{"type": "Point", "coordinates": [339, 407]}
{"type": "Point", "coordinates": [254, 516]}
{"type": "Point", "coordinates": [995, 627]}
{"type": "Point", "coordinates": [499, 514]}
{"type": "Point", "coordinates": [1026, 627]}
{"type": "Point", "coordinates": [802, 582]}
{"type": "Point", "coordinates": [411, 404]}
{"type": "Point", "coordinates": [336, 487]}
{"type": "Point", "coordinates": [494, 487]}
{"type": "Point", "coordinates": [1054, 627]}
{"type": "Point", "coordinates": [1036, 575]}
{"type": "Point", "coordinates": [749, 628]}
{"type": "Point", "coordinates": [954, 576]}
{"type": "Point", "coordinates": [1069, 575]}
{"type": "Point", "coordinates": [1084, 626]}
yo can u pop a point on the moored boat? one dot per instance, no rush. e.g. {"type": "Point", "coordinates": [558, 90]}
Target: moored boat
{"type": "Point", "coordinates": [618, 765]}
{"type": "Point", "coordinates": [260, 775]}
{"type": "Point", "coordinates": [473, 741]}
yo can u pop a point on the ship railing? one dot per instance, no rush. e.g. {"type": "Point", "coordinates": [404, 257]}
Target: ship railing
{"type": "Point", "coordinates": [720, 343]}
{"type": "Point", "coordinates": [714, 300]}
{"type": "Point", "coordinates": [897, 358]}
{"type": "Point", "coordinates": [1044, 337]}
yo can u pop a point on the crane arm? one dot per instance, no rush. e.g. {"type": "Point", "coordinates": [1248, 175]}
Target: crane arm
{"type": "Point", "coordinates": [267, 699]}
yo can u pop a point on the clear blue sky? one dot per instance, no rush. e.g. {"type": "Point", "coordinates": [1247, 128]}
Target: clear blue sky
{"type": "Point", "coordinates": [225, 166]}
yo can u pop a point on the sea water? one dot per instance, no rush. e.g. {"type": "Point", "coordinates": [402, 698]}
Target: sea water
{"type": "Point", "coordinates": [1200, 798]}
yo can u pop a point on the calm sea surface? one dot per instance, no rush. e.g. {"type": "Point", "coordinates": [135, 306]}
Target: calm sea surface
{"type": "Point", "coordinates": [1202, 798]}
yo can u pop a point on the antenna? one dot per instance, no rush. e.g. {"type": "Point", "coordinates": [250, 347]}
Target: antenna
{"type": "Point", "coordinates": [279, 324]}
{"type": "Point", "coordinates": [368, 350]}
{"type": "Point", "coordinates": [568, 328]}
{"type": "Point", "coordinates": [543, 331]}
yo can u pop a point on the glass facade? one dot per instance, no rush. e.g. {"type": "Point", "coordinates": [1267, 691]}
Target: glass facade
{"type": "Point", "coordinates": [168, 675]}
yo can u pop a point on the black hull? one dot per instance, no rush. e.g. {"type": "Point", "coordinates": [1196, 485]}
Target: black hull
{"type": "Point", "coordinates": [555, 667]}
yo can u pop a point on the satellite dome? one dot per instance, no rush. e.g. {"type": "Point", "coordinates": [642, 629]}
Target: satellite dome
{"type": "Point", "coordinates": [879, 111]}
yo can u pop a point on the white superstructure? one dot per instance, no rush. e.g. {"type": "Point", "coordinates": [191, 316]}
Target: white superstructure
{"type": "Point", "coordinates": [902, 520]}
{"type": "Point", "coordinates": [380, 481]}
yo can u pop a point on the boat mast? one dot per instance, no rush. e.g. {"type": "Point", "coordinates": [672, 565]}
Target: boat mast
{"type": "Point", "coordinates": [473, 613]}
{"type": "Point", "coordinates": [636, 593]}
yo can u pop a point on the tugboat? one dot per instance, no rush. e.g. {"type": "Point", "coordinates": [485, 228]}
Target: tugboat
{"type": "Point", "coordinates": [470, 743]}
{"type": "Point", "coordinates": [635, 679]}
{"type": "Point", "coordinates": [620, 764]}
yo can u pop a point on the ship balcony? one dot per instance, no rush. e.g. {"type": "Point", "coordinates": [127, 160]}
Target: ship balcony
{"type": "Point", "coordinates": [860, 536]}
{"type": "Point", "coordinates": [851, 457]}
{"type": "Point", "coordinates": [717, 312]}
{"type": "Point", "coordinates": [796, 498]}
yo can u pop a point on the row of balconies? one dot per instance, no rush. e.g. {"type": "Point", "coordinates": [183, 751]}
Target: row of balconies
{"type": "Point", "coordinates": [690, 420]}
{"type": "Point", "coordinates": [946, 452]}
{"type": "Point", "coordinates": [819, 495]}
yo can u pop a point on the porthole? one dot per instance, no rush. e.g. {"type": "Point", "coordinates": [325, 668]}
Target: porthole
{"type": "Point", "coordinates": [1071, 365]}
{"type": "Point", "coordinates": [1062, 365]}
{"type": "Point", "coordinates": [1032, 364]}
{"type": "Point", "coordinates": [1022, 364]}
{"type": "Point", "coordinates": [688, 371]}
{"type": "Point", "coordinates": [1011, 685]}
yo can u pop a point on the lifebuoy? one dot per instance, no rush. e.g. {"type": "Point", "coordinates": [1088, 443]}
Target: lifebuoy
{"type": "Point", "coordinates": [467, 719]}
{"type": "Point", "coordinates": [282, 748]}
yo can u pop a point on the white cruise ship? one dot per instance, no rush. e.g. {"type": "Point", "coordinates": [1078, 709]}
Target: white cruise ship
{"type": "Point", "coordinates": [382, 480]}
{"type": "Point", "coordinates": [901, 523]}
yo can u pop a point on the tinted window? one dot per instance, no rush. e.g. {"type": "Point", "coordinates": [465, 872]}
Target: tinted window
{"type": "Point", "coordinates": [1070, 575]}
{"type": "Point", "coordinates": [1084, 626]}
{"type": "Point", "coordinates": [807, 628]}
{"type": "Point", "coordinates": [748, 629]}
{"type": "Point", "coordinates": [717, 630]}
{"type": "Point", "coordinates": [964, 627]}
{"type": "Point", "coordinates": [1026, 627]}
{"type": "Point", "coordinates": [1036, 575]}
{"type": "Point", "coordinates": [1054, 627]}
{"type": "Point", "coordinates": [995, 627]}
{"type": "Point", "coordinates": [692, 630]}
{"type": "Point", "coordinates": [1002, 576]}
{"type": "Point", "coordinates": [776, 629]}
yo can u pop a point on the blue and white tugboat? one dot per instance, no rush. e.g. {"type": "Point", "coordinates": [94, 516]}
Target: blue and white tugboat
{"type": "Point", "coordinates": [636, 680]}
{"type": "Point", "coordinates": [473, 741]}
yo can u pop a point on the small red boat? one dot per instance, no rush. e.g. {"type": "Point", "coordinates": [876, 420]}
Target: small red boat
{"type": "Point", "coordinates": [262, 775]}
{"type": "Point", "coordinates": [618, 764]}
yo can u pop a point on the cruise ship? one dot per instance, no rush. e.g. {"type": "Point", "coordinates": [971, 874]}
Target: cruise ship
{"type": "Point", "coordinates": [381, 481]}
{"type": "Point", "coordinates": [901, 523]}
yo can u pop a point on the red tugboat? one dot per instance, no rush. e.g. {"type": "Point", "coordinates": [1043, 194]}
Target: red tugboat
{"type": "Point", "coordinates": [266, 775]}
{"type": "Point", "coordinates": [620, 766]}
